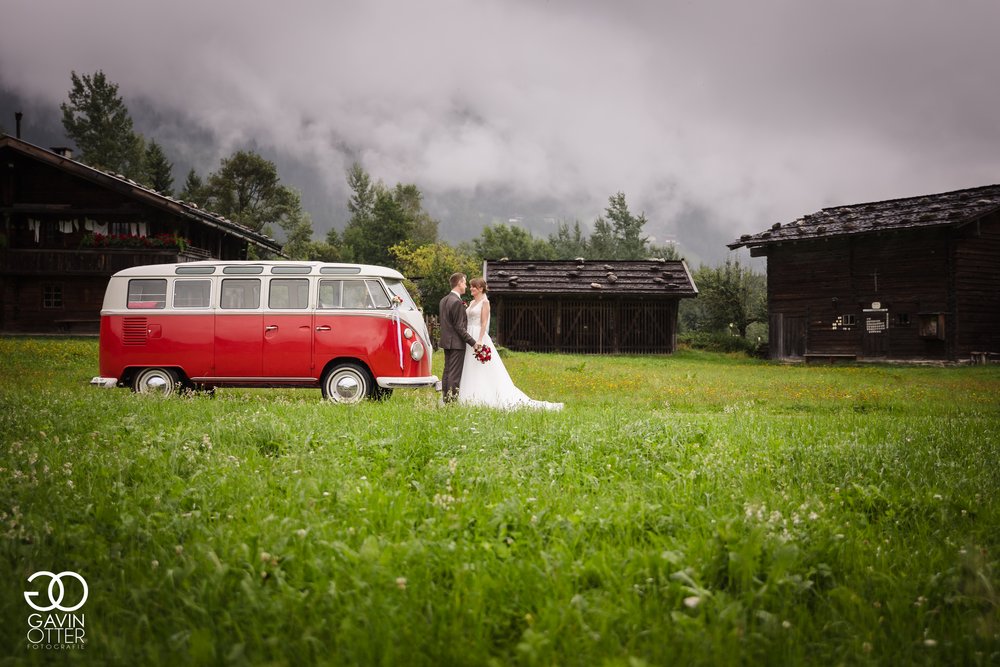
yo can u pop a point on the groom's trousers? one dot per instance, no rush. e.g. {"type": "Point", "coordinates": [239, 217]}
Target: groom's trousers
{"type": "Point", "coordinates": [451, 377]}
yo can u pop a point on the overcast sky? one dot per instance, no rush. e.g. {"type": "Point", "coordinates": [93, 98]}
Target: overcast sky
{"type": "Point", "coordinates": [715, 118]}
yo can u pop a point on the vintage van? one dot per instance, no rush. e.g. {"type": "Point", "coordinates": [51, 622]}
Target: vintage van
{"type": "Point", "coordinates": [350, 329]}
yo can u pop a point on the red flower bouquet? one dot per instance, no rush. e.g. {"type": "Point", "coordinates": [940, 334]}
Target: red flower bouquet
{"type": "Point", "coordinates": [484, 354]}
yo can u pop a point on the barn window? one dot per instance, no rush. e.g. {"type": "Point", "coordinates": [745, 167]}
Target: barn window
{"type": "Point", "coordinates": [932, 326]}
{"type": "Point", "coordinates": [52, 296]}
{"type": "Point", "coordinates": [848, 320]}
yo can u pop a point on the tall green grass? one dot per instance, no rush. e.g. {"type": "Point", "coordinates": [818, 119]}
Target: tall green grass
{"type": "Point", "coordinates": [692, 509]}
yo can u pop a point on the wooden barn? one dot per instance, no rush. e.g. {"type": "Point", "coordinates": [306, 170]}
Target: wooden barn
{"type": "Point", "coordinates": [67, 227]}
{"type": "Point", "coordinates": [593, 306]}
{"type": "Point", "coordinates": [908, 279]}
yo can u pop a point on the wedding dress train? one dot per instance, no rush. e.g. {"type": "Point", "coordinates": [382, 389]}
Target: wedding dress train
{"type": "Point", "coordinates": [489, 384]}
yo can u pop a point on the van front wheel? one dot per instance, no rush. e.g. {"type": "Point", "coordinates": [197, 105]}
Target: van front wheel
{"type": "Point", "coordinates": [160, 381]}
{"type": "Point", "coordinates": [347, 383]}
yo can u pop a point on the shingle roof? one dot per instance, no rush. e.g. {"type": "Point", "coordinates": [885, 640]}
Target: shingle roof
{"type": "Point", "coordinates": [654, 277]}
{"type": "Point", "coordinates": [130, 187]}
{"type": "Point", "coordinates": [947, 208]}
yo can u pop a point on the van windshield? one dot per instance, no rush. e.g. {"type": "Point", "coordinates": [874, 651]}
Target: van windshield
{"type": "Point", "coordinates": [397, 288]}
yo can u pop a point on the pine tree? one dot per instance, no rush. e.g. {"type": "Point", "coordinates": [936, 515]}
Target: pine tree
{"type": "Point", "coordinates": [158, 170]}
{"type": "Point", "coordinates": [362, 192]}
{"type": "Point", "coordinates": [194, 189]}
{"type": "Point", "coordinates": [98, 121]}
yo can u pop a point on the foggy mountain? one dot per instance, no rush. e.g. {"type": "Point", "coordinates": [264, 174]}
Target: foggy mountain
{"type": "Point", "coordinates": [714, 118]}
{"type": "Point", "coordinates": [462, 215]}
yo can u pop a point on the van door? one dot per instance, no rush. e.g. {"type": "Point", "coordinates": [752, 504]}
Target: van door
{"type": "Point", "coordinates": [239, 329]}
{"type": "Point", "coordinates": [352, 321]}
{"type": "Point", "coordinates": [328, 339]}
{"type": "Point", "coordinates": [341, 330]}
{"type": "Point", "coordinates": [288, 329]}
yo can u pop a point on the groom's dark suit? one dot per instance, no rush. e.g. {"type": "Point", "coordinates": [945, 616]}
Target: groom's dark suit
{"type": "Point", "coordinates": [454, 338]}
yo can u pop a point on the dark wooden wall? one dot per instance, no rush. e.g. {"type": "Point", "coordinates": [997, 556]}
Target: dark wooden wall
{"type": "Point", "coordinates": [587, 326]}
{"type": "Point", "coordinates": [33, 190]}
{"type": "Point", "coordinates": [24, 309]}
{"type": "Point", "coordinates": [977, 287]}
{"type": "Point", "coordinates": [813, 285]}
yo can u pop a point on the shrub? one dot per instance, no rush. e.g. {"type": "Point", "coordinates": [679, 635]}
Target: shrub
{"type": "Point", "coordinates": [718, 342]}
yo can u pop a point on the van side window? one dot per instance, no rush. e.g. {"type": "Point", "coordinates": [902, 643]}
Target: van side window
{"type": "Point", "coordinates": [147, 293]}
{"type": "Point", "coordinates": [357, 294]}
{"type": "Point", "coordinates": [288, 293]}
{"type": "Point", "coordinates": [330, 293]}
{"type": "Point", "coordinates": [192, 293]}
{"type": "Point", "coordinates": [239, 293]}
{"type": "Point", "coordinates": [379, 299]}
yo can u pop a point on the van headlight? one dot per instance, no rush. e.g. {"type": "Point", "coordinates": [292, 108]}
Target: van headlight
{"type": "Point", "coordinates": [417, 350]}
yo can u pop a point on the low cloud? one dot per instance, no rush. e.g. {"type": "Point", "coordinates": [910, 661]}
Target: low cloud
{"type": "Point", "coordinates": [714, 118]}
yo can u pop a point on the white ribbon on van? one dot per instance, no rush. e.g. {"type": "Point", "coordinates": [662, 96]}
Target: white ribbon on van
{"type": "Point", "coordinates": [399, 332]}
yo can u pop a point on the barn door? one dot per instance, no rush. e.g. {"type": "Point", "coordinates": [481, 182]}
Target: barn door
{"type": "Point", "coordinates": [789, 336]}
{"type": "Point", "coordinates": [875, 335]}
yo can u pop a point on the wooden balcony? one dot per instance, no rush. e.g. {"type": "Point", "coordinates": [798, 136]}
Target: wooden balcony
{"type": "Point", "coordinates": [90, 261]}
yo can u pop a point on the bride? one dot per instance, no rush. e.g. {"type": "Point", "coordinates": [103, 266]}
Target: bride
{"type": "Point", "coordinates": [489, 384]}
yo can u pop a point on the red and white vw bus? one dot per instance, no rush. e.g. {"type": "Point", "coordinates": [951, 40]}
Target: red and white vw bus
{"type": "Point", "coordinates": [350, 329]}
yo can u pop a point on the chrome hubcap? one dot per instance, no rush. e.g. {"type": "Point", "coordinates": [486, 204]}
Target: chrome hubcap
{"type": "Point", "coordinates": [347, 388]}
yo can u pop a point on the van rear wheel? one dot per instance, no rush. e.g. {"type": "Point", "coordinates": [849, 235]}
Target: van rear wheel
{"type": "Point", "coordinates": [347, 383]}
{"type": "Point", "coordinates": [159, 381]}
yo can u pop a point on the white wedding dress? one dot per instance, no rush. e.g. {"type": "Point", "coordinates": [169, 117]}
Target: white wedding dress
{"type": "Point", "coordinates": [489, 384]}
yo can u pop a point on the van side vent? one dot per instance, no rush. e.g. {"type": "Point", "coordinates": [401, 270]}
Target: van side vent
{"type": "Point", "coordinates": [134, 331]}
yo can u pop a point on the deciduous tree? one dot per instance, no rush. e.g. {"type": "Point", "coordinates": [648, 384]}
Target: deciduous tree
{"type": "Point", "coordinates": [569, 243]}
{"type": "Point", "coordinates": [729, 295]}
{"type": "Point", "coordinates": [618, 233]}
{"type": "Point", "coordinates": [382, 217]}
{"type": "Point", "coordinates": [502, 240]}
{"type": "Point", "coordinates": [430, 266]}
{"type": "Point", "coordinates": [247, 189]}
{"type": "Point", "coordinates": [626, 228]}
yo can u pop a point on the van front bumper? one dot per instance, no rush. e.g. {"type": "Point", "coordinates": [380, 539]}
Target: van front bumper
{"type": "Point", "coordinates": [107, 383]}
{"type": "Point", "coordinates": [405, 382]}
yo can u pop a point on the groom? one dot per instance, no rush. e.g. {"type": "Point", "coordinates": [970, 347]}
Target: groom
{"type": "Point", "coordinates": [454, 337]}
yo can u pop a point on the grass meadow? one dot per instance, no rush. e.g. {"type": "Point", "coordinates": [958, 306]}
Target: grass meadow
{"type": "Point", "coordinates": [696, 509]}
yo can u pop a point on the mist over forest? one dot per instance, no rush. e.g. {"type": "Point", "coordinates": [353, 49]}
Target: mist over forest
{"type": "Point", "coordinates": [461, 214]}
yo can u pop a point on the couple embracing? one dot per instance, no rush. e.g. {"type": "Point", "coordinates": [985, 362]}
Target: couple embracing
{"type": "Point", "coordinates": [464, 332]}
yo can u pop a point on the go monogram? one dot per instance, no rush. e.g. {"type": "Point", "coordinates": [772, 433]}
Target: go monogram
{"type": "Point", "coordinates": [56, 591]}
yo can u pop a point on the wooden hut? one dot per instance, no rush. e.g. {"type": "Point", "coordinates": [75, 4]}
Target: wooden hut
{"type": "Point", "coordinates": [591, 306]}
{"type": "Point", "coordinates": [909, 279]}
{"type": "Point", "coordinates": [66, 227]}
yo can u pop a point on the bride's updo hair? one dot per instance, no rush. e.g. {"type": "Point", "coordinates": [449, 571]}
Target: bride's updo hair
{"type": "Point", "coordinates": [479, 283]}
